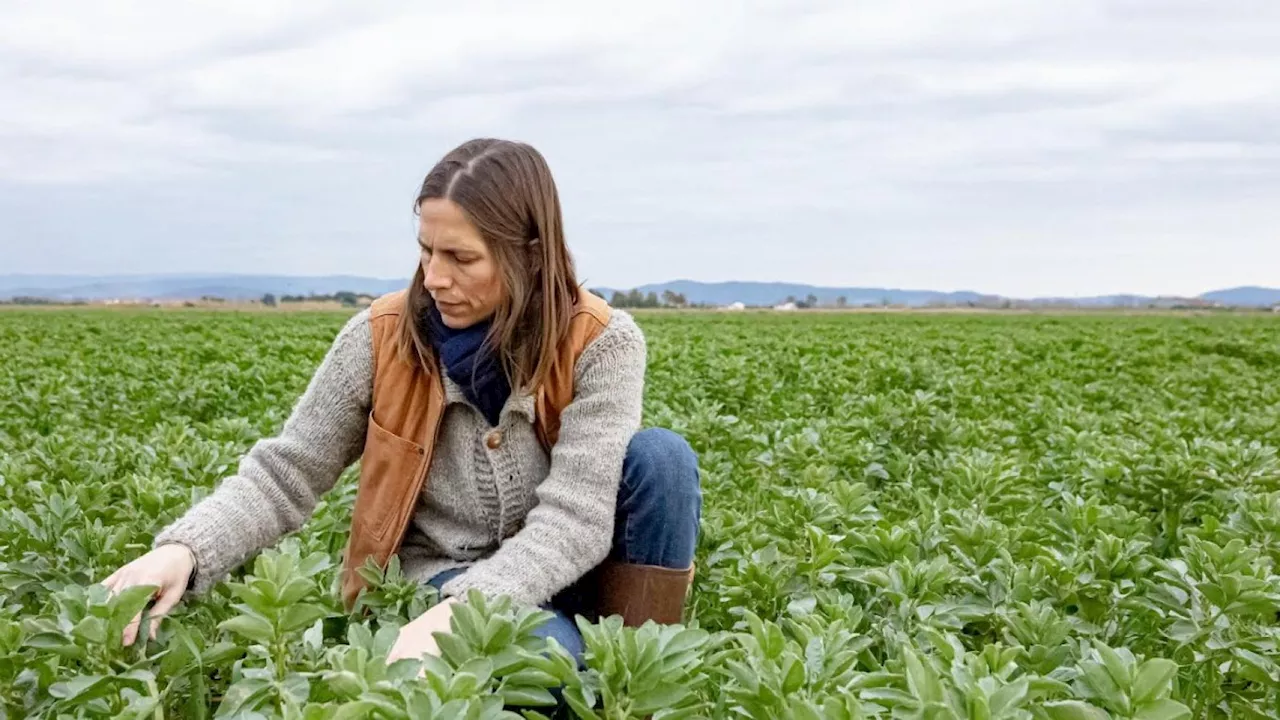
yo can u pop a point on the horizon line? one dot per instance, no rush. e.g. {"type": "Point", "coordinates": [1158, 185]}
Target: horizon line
{"type": "Point", "coordinates": [607, 286]}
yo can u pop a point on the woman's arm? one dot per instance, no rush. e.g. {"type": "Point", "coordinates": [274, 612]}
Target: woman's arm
{"type": "Point", "coordinates": [570, 530]}
{"type": "Point", "coordinates": [282, 478]}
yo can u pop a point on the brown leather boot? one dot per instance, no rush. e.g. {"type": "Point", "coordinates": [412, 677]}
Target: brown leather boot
{"type": "Point", "coordinates": [643, 592]}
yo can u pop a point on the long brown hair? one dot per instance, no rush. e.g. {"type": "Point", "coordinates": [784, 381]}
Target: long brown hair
{"type": "Point", "coordinates": [506, 190]}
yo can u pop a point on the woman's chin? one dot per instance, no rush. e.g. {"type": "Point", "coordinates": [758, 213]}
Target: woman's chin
{"type": "Point", "coordinates": [456, 318]}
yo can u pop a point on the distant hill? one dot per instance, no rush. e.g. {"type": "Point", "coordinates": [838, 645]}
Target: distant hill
{"type": "Point", "coordinates": [773, 293]}
{"type": "Point", "coordinates": [1248, 295]}
{"type": "Point", "coordinates": [252, 287]}
{"type": "Point", "coordinates": [769, 294]}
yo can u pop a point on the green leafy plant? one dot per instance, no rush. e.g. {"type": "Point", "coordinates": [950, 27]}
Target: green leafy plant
{"type": "Point", "coordinates": [905, 516]}
{"type": "Point", "coordinates": [1113, 680]}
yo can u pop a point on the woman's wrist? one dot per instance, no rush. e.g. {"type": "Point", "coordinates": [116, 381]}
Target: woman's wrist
{"type": "Point", "coordinates": [191, 556]}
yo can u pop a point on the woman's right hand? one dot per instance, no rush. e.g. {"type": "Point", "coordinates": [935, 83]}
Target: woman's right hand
{"type": "Point", "coordinates": [169, 568]}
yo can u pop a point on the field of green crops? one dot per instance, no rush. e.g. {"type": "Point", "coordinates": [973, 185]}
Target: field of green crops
{"type": "Point", "coordinates": [907, 516]}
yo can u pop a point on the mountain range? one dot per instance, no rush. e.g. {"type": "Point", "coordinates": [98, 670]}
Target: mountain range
{"type": "Point", "coordinates": [771, 293]}
{"type": "Point", "coordinates": [250, 287]}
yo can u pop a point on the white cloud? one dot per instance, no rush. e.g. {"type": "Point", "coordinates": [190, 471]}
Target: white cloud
{"type": "Point", "coordinates": [715, 119]}
{"type": "Point", "coordinates": [140, 36]}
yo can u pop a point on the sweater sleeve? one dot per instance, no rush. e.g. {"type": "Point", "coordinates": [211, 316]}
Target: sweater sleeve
{"type": "Point", "coordinates": [280, 480]}
{"type": "Point", "coordinates": [570, 530]}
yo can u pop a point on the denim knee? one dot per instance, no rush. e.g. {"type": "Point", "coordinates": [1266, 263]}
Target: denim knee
{"type": "Point", "coordinates": [660, 461]}
{"type": "Point", "coordinates": [562, 627]}
{"type": "Point", "coordinates": [659, 501]}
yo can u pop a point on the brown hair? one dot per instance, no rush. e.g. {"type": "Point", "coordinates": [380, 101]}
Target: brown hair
{"type": "Point", "coordinates": [506, 190]}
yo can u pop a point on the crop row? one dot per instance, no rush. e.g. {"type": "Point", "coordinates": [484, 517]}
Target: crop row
{"type": "Point", "coordinates": [905, 516]}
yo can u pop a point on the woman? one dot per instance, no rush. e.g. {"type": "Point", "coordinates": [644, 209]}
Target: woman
{"type": "Point", "coordinates": [495, 408]}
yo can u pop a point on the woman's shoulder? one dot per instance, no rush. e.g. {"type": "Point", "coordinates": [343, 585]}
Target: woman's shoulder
{"type": "Point", "coordinates": [623, 324]}
{"type": "Point", "coordinates": [349, 359]}
{"type": "Point", "coordinates": [356, 331]}
{"type": "Point", "coordinates": [621, 340]}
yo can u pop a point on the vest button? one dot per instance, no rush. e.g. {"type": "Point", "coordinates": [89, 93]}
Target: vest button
{"type": "Point", "coordinates": [493, 440]}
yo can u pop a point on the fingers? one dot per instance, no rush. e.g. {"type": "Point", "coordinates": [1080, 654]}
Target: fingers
{"type": "Point", "coordinates": [400, 649]}
{"type": "Point", "coordinates": [155, 569]}
{"type": "Point", "coordinates": [169, 597]}
{"type": "Point", "coordinates": [430, 648]}
{"type": "Point", "coordinates": [117, 582]}
{"type": "Point", "coordinates": [415, 639]}
{"type": "Point", "coordinates": [131, 630]}
{"type": "Point", "coordinates": [120, 580]}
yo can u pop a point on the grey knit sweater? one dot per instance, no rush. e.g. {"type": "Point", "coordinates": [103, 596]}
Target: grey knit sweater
{"type": "Point", "coordinates": [522, 523]}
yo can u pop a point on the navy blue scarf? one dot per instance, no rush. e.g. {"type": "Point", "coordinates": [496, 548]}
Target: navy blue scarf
{"type": "Point", "coordinates": [470, 363]}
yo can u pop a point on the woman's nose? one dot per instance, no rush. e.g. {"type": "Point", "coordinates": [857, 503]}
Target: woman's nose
{"type": "Point", "coordinates": [433, 277]}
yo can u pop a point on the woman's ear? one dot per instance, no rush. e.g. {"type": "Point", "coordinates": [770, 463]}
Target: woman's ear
{"type": "Point", "coordinates": [534, 247]}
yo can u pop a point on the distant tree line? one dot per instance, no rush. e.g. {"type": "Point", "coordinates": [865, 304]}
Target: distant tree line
{"type": "Point", "coordinates": [343, 297]}
{"type": "Point", "coordinates": [636, 299]}
{"type": "Point", "coordinates": [810, 301]}
{"type": "Point", "coordinates": [29, 300]}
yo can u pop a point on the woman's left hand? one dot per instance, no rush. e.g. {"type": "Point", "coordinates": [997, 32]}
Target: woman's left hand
{"type": "Point", "coordinates": [415, 637]}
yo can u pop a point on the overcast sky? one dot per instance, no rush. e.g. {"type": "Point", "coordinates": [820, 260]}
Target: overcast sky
{"type": "Point", "coordinates": [1023, 147]}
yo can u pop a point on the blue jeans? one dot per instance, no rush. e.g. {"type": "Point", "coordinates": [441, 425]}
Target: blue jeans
{"type": "Point", "coordinates": [658, 514]}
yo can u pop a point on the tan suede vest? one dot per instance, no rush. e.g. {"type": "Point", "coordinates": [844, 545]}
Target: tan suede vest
{"type": "Point", "coordinates": [408, 404]}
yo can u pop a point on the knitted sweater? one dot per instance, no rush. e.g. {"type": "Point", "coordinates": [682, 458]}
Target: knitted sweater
{"type": "Point", "coordinates": [524, 524]}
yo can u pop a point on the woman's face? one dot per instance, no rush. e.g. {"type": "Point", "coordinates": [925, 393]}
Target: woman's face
{"type": "Point", "coordinates": [457, 267]}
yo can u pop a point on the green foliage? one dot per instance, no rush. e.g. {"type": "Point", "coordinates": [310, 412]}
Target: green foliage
{"type": "Point", "coordinates": [906, 516]}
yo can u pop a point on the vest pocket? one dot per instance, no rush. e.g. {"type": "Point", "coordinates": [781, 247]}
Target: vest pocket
{"type": "Point", "coordinates": [388, 468]}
